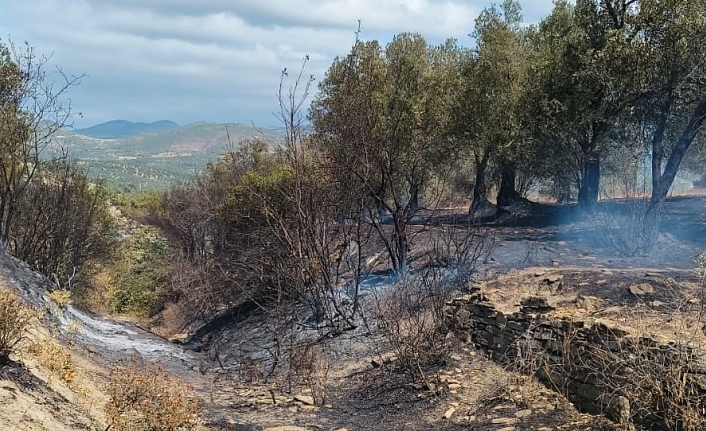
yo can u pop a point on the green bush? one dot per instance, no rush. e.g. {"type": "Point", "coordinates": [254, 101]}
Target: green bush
{"type": "Point", "coordinates": [141, 272]}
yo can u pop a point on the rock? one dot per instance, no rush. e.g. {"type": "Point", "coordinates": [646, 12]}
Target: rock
{"type": "Point", "coordinates": [305, 399]}
{"type": "Point", "coordinates": [286, 428]}
{"type": "Point", "coordinates": [656, 304]}
{"type": "Point", "coordinates": [588, 303]}
{"type": "Point", "coordinates": [507, 429]}
{"type": "Point", "coordinates": [539, 273]}
{"type": "Point", "coordinates": [641, 289]}
{"type": "Point", "coordinates": [504, 421]}
{"type": "Point", "coordinates": [448, 413]}
{"type": "Point", "coordinates": [536, 303]}
{"type": "Point", "coordinates": [178, 338]}
{"type": "Point", "coordinates": [523, 413]}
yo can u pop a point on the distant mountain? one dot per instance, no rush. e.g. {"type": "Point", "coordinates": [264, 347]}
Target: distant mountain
{"type": "Point", "coordinates": [122, 128]}
{"type": "Point", "coordinates": [156, 159]}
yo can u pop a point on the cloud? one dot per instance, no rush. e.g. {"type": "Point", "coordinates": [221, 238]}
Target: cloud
{"type": "Point", "coordinates": [216, 60]}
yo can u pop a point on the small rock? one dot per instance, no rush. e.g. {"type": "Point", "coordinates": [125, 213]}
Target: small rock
{"type": "Point", "coordinates": [641, 289]}
{"type": "Point", "coordinates": [455, 357]}
{"type": "Point", "coordinates": [507, 429]}
{"type": "Point", "coordinates": [286, 428]}
{"type": "Point", "coordinates": [305, 399]}
{"type": "Point", "coordinates": [449, 412]}
{"type": "Point", "coordinates": [523, 413]}
{"type": "Point", "coordinates": [656, 304]}
{"type": "Point", "coordinates": [539, 273]}
{"type": "Point", "coordinates": [504, 421]}
{"type": "Point", "coordinates": [553, 278]}
{"type": "Point", "coordinates": [454, 386]}
{"type": "Point", "coordinates": [693, 301]}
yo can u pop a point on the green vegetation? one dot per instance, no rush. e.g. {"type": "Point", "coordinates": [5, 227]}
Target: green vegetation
{"type": "Point", "coordinates": [140, 273]}
{"type": "Point", "coordinates": [158, 160]}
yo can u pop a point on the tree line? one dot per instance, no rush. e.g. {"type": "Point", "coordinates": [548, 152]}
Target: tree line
{"type": "Point", "coordinates": [594, 86]}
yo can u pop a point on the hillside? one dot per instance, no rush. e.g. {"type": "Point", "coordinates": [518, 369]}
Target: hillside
{"type": "Point", "coordinates": [155, 159]}
{"type": "Point", "coordinates": [122, 128]}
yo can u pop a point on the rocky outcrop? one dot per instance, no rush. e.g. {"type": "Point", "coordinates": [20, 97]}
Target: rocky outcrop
{"type": "Point", "coordinates": [598, 367]}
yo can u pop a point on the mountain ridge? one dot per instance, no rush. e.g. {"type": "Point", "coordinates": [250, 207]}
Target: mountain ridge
{"type": "Point", "coordinates": [115, 129]}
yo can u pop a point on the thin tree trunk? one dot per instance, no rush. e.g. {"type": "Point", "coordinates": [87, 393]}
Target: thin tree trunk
{"type": "Point", "coordinates": [674, 161]}
{"type": "Point", "coordinates": [658, 148]}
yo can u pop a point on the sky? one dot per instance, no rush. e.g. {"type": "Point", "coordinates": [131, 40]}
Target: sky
{"type": "Point", "coordinates": [214, 60]}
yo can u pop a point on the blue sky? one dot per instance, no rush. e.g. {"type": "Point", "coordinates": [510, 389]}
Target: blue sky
{"type": "Point", "coordinates": [213, 60]}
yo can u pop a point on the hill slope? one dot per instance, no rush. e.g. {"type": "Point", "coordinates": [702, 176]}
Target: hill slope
{"type": "Point", "coordinates": [156, 160]}
{"type": "Point", "coordinates": [122, 128]}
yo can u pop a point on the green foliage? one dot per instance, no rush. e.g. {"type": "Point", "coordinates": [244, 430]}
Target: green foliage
{"type": "Point", "coordinates": [141, 273]}
{"type": "Point", "coordinates": [258, 198]}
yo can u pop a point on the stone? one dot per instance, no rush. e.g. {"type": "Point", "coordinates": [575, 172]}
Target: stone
{"type": "Point", "coordinates": [507, 429]}
{"type": "Point", "coordinates": [523, 413]}
{"type": "Point", "coordinates": [449, 412]}
{"type": "Point", "coordinates": [305, 399]}
{"type": "Point", "coordinates": [286, 428]}
{"type": "Point", "coordinates": [504, 421]}
{"type": "Point", "coordinates": [641, 289]}
{"type": "Point", "coordinates": [539, 273]}
{"type": "Point", "coordinates": [553, 278]}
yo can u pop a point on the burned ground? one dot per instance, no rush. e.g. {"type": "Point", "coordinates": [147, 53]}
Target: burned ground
{"type": "Point", "coordinates": [538, 250]}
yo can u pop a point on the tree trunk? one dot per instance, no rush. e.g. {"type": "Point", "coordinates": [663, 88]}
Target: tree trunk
{"type": "Point", "coordinates": [564, 191]}
{"type": "Point", "coordinates": [658, 148]}
{"type": "Point", "coordinates": [413, 198]}
{"type": "Point", "coordinates": [400, 246]}
{"type": "Point", "coordinates": [480, 191]}
{"type": "Point", "coordinates": [590, 181]}
{"type": "Point", "coordinates": [670, 170]}
{"type": "Point", "coordinates": [507, 194]}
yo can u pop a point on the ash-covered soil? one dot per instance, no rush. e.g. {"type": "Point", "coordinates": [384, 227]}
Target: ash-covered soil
{"type": "Point", "coordinates": [577, 261]}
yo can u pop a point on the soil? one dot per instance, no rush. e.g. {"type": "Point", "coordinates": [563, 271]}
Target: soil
{"type": "Point", "coordinates": [364, 385]}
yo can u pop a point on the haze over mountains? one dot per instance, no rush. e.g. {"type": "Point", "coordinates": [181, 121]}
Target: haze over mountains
{"type": "Point", "coordinates": [138, 156]}
{"type": "Point", "coordinates": [121, 128]}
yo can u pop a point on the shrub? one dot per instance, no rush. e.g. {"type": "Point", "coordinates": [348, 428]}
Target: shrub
{"type": "Point", "coordinates": [54, 358]}
{"type": "Point", "coordinates": [15, 319]}
{"type": "Point", "coordinates": [144, 397]}
{"type": "Point", "coordinates": [141, 272]}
